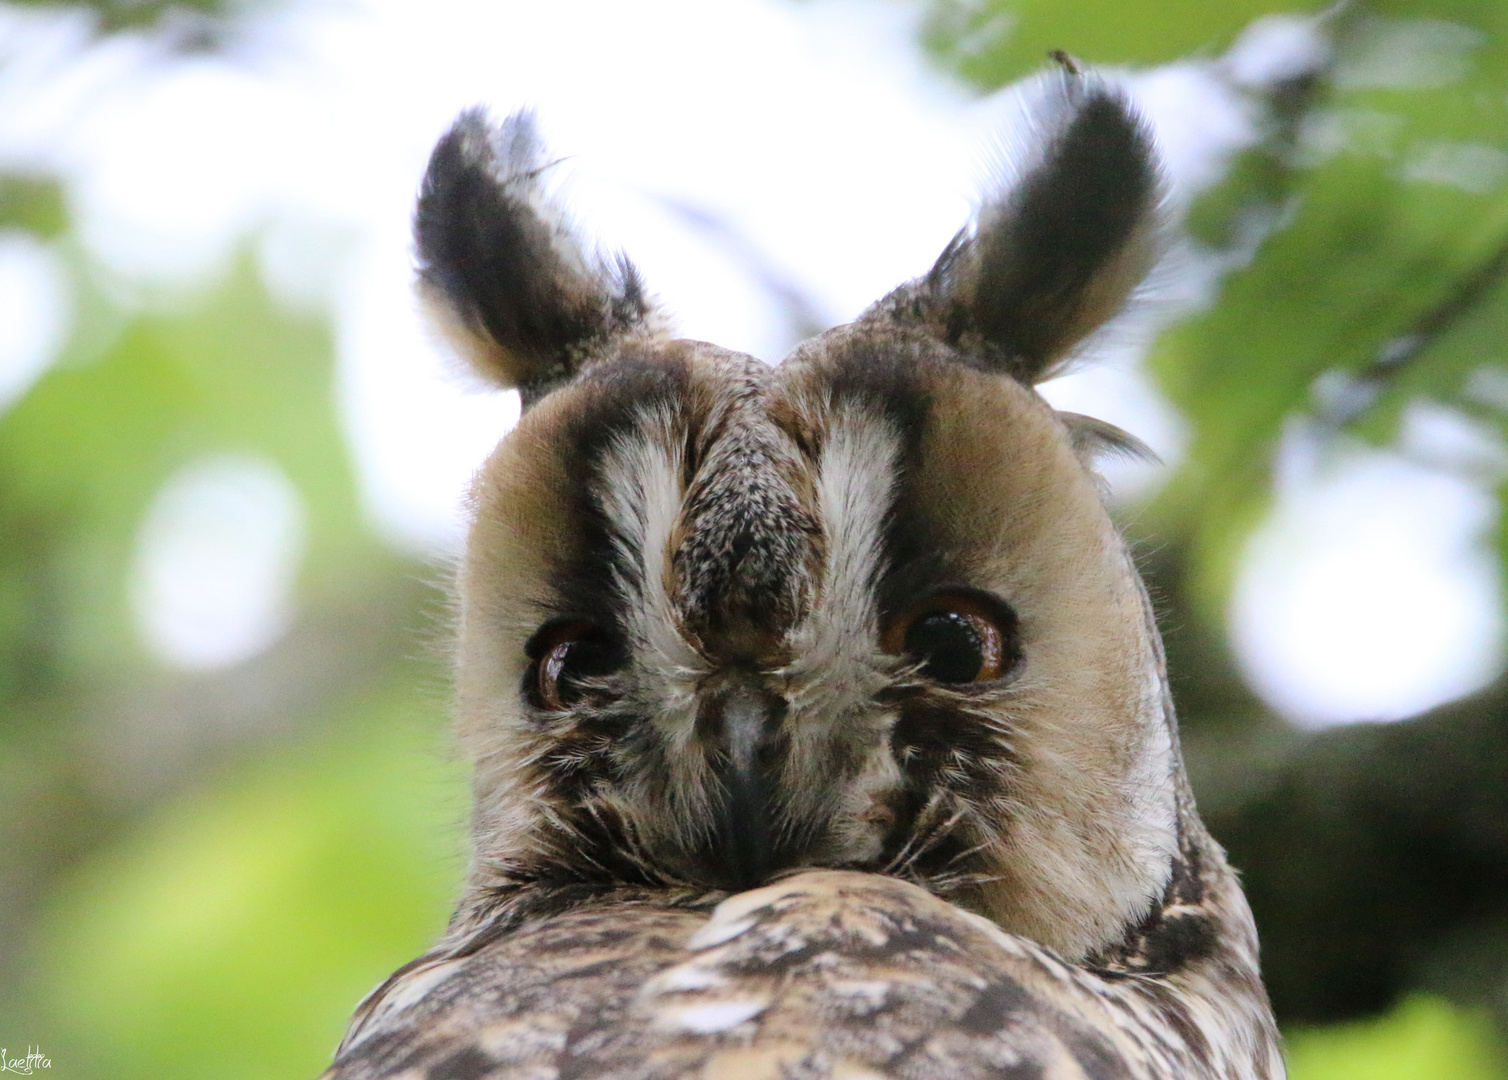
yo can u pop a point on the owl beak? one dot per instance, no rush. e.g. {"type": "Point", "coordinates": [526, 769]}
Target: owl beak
{"type": "Point", "coordinates": [746, 769]}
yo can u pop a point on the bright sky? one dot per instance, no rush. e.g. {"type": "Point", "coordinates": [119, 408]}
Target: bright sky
{"type": "Point", "coordinates": [812, 130]}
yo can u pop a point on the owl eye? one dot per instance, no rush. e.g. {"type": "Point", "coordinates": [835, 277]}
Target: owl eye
{"type": "Point", "coordinates": [566, 656]}
{"type": "Point", "coordinates": [957, 637]}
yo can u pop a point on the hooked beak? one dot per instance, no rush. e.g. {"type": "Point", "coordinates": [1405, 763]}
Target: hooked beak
{"type": "Point", "coordinates": [746, 769]}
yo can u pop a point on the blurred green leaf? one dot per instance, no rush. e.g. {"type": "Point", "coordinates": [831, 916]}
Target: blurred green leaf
{"type": "Point", "coordinates": [134, 398]}
{"type": "Point", "coordinates": [1394, 223]}
{"type": "Point", "coordinates": [1424, 1038]}
{"type": "Point", "coordinates": [188, 25]}
{"type": "Point", "coordinates": [82, 454]}
{"type": "Point", "coordinates": [34, 203]}
{"type": "Point", "coordinates": [993, 42]}
{"type": "Point", "coordinates": [231, 934]}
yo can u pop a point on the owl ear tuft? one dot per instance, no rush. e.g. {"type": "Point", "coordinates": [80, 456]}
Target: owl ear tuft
{"type": "Point", "coordinates": [1056, 252]}
{"type": "Point", "coordinates": [502, 272]}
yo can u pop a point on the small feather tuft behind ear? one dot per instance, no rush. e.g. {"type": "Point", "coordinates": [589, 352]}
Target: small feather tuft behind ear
{"type": "Point", "coordinates": [503, 275]}
{"type": "Point", "coordinates": [1095, 439]}
{"type": "Point", "coordinates": [1057, 252]}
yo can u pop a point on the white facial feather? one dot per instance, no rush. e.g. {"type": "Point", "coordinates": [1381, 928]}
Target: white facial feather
{"type": "Point", "coordinates": [836, 647]}
{"type": "Point", "coordinates": [641, 494]}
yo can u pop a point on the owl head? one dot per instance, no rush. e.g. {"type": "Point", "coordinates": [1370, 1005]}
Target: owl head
{"type": "Point", "coordinates": [720, 620]}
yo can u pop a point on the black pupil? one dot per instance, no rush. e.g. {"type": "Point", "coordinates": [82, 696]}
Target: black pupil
{"type": "Point", "coordinates": [948, 646]}
{"type": "Point", "coordinates": [587, 657]}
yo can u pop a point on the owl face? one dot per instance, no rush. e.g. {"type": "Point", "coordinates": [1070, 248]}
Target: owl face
{"type": "Point", "coordinates": [864, 609]}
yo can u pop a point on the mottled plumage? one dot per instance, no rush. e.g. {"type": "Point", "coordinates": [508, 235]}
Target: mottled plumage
{"type": "Point", "coordinates": [819, 718]}
{"type": "Point", "coordinates": [825, 974]}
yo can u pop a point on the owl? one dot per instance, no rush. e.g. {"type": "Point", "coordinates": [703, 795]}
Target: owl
{"type": "Point", "coordinates": [818, 716]}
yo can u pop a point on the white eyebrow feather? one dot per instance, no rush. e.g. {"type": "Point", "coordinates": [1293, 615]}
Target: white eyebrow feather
{"type": "Point", "coordinates": [640, 492]}
{"type": "Point", "coordinates": [855, 490]}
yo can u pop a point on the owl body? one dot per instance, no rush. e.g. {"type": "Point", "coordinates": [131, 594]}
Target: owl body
{"type": "Point", "coordinates": [818, 714]}
{"type": "Point", "coordinates": [823, 974]}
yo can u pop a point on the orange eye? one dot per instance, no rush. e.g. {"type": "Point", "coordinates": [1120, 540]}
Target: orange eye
{"type": "Point", "coordinates": [566, 655]}
{"type": "Point", "coordinates": [957, 636]}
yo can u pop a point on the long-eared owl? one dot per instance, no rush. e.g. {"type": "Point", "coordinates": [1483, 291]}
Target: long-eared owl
{"type": "Point", "coordinates": [818, 716]}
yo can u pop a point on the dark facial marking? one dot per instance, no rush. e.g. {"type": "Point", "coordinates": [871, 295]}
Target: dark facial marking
{"type": "Point", "coordinates": [1178, 931]}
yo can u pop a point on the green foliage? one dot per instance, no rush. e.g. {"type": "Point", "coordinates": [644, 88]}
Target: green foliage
{"type": "Point", "coordinates": [219, 916]}
{"type": "Point", "coordinates": [191, 25]}
{"type": "Point", "coordinates": [32, 203]}
{"type": "Point", "coordinates": [991, 43]}
{"type": "Point", "coordinates": [233, 901]}
{"type": "Point", "coordinates": [83, 453]}
{"type": "Point", "coordinates": [203, 872]}
{"type": "Point", "coordinates": [1423, 1037]}
{"type": "Point", "coordinates": [231, 934]}
{"type": "Point", "coordinates": [1385, 275]}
